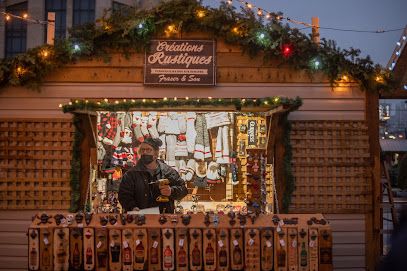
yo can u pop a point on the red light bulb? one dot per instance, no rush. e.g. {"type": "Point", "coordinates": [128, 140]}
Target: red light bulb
{"type": "Point", "coordinates": [287, 50]}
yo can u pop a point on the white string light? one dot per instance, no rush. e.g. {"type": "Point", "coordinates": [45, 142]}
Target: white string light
{"type": "Point", "coordinates": [261, 12]}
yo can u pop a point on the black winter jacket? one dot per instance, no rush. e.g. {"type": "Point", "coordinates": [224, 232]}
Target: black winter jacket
{"type": "Point", "coordinates": [135, 190]}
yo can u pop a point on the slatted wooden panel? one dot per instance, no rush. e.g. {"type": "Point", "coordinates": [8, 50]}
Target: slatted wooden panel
{"type": "Point", "coordinates": [35, 156]}
{"type": "Point", "coordinates": [331, 167]}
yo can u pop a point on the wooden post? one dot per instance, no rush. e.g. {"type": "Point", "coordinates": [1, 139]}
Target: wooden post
{"type": "Point", "coordinates": [51, 28]}
{"type": "Point", "coordinates": [315, 29]}
{"type": "Point", "coordinates": [373, 217]}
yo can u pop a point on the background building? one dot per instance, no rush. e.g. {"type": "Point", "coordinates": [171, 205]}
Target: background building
{"type": "Point", "coordinates": [17, 35]}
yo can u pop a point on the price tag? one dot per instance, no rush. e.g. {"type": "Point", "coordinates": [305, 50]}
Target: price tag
{"type": "Point", "coordinates": [278, 229]}
{"type": "Point", "coordinates": [63, 220]}
{"type": "Point", "coordinates": [80, 225]}
{"type": "Point", "coordinates": [46, 241]}
{"type": "Point", "coordinates": [112, 244]}
{"type": "Point", "coordinates": [268, 243]}
{"type": "Point", "coordinates": [251, 242]}
{"type": "Point", "coordinates": [155, 244]}
{"type": "Point", "coordinates": [311, 244]}
{"type": "Point", "coordinates": [115, 224]}
{"type": "Point", "coordinates": [64, 225]}
{"type": "Point", "coordinates": [125, 244]}
{"type": "Point", "coordinates": [235, 242]}
{"type": "Point", "coordinates": [99, 244]}
{"type": "Point", "coordinates": [282, 243]}
{"type": "Point", "coordinates": [220, 243]}
{"type": "Point", "coordinates": [294, 243]}
{"type": "Point", "coordinates": [281, 222]}
{"type": "Point", "coordinates": [137, 242]}
{"type": "Point", "coordinates": [181, 242]}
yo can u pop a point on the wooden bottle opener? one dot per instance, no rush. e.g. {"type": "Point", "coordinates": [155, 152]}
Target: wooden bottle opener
{"type": "Point", "coordinates": [168, 250]}
{"type": "Point", "coordinates": [102, 253]}
{"type": "Point", "coordinates": [154, 249]}
{"type": "Point", "coordinates": [325, 249]}
{"type": "Point", "coordinates": [128, 249]}
{"type": "Point", "coordinates": [181, 249]}
{"type": "Point", "coordinates": [223, 251]}
{"type": "Point", "coordinates": [303, 253]}
{"type": "Point", "coordinates": [141, 246]}
{"type": "Point", "coordinates": [267, 245]}
{"type": "Point", "coordinates": [88, 248]}
{"type": "Point", "coordinates": [33, 249]}
{"type": "Point", "coordinates": [46, 249]}
{"type": "Point", "coordinates": [292, 249]}
{"type": "Point", "coordinates": [61, 249]}
{"type": "Point", "coordinates": [252, 249]}
{"type": "Point", "coordinates": [236, 249]}
{"type": "Point", "coordinates": [209, 249]}
{"type": "Point", "coordinates": [195, 249]}
{"type": "Point", "coordinates": [280, 249]}
{"type": "Point", "coordinates": [313, 249]}
{"type": "Point", "coordinates": [115, 250]}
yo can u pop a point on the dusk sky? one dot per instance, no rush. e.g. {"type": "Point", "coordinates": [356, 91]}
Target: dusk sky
{"type": "Point", "coordinates": [345, 14]}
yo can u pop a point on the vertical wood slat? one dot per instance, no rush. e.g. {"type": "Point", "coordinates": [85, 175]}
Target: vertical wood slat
{"type": "Point", "coordinates": [35, 156]}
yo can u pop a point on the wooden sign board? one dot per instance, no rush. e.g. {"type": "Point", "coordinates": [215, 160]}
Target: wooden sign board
{"type": "Point", "coordinates": [313, 249]}
{"type": "Point", "coordinates": [33, 249]}
{"type": "Point", "coordinates": [127, 251]}
{"type": "Point", "coordinates": [101, 241]}
{"type": "Point", "coordinates": [303, 249]}
{"type": "Point", "coordinates": [76, 247]}
{"type": "Point", "coordinates": [325, 250]}
{"type": "Point", "coordinates": [280, 249]}
{"type": "Point", "coordinates": [181, 249]}
{"type": "Point", "coordinates": [88, 248]}
{"type": "Point", "coordinates": [267, 244]}
{"type": "Point", "coordinates": [209, 249]}
{"type": "Point", "coordinates": [180, 62]}
{"type": "Point", "coordinates": [46, 248]}
{"type": "Point", "coordinates": [61, 249]}
{"type": "Point", "coordinates": [195, 249]}
{"type": "Point", "coordinates": [252, 249]}
{"type": "Point", "coordinates": [236, 249]}
{"type": "Point", "coordinates": [223, 251]}
{"type": "Point", "coordinates": [155, 249]}
{"type": "Point", "coordinates": [292, 245]}
{"type": "Point", "coordinates": [140, 249]}
{"type": "Point", "coordinates": [168, 249]}
{"type": "Point", "coordinates": [115, 247]}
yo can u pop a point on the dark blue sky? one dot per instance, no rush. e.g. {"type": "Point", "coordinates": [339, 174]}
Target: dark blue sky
{"type": "Point", "coordinates": [345, 14]}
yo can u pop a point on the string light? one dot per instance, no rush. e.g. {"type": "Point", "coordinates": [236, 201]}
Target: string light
{"type": "Point", "coordinates": [170, 27]}
{"type": "Point", "coordinates": [317, 63]}
{"type": "Point", "coordinates": [249, 6]}
{"type": "Point", "coordinates": [287, 50]}
{"type": "Point", "coordinates": [268, 16]}
{"type": "Point", "coordinates": [25, 15]}
{"type": "Point", "coordinates": [8, 18]}
{"type": "Point", "coordinates": [235, 29]}
{"type": "Point", "coordinates": [70, 103]}
{"type": "Point", "coordinates": [144, 100]}
{"type": "Point", "coordinates": [60, 105]}
{"type": "Point", "coordinates": [45, 53]}
{"type": "Point", "coordinates": [210, 98]}
{"type": "Point", "coordinates": [344, 77]}
{"type": "Point", "coordinates": [140, 26]}
{"type": "Point", "coordinates": [229, 2]}
{"type": "Point", "coordinates": [262, 35]}
{"type": "Point", "coordinates": [116, 102]}
{"type": "Point", "coordinates": [201, 14]}
{"type": "Point", "coordinates": [175, 98]}
{"type": "Point", "coordinates": [133, 101]}
{"type": "Point", "coordinates": [266, 102]}
{"type": "Point", "coordinates": [25, 18]}
{"type": "Point", "coordinates": [86, 101]}
{"type": "Point", "coordinates": [187, 98]}
{"type": "Point", "coordinates": [259, 13]}
{"type": "Point", "coordinates": [405, 87]}
{"type": "Point", "coordinates": [378, 78]}
{"type": "Point", "coordinates": [76, 47]}
{"type": "Point", "coordinates": [106, 100]}
{"type": "Point", "coordinates": [165, 98]}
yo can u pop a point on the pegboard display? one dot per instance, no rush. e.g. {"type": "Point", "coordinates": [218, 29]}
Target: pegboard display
{"type": "Point", "coordinates": [35, 163]}
{"type": "Point", "coordinates": [331, 167]}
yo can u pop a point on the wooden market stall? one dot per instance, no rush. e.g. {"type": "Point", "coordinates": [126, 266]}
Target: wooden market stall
{"type": "Point", "coordinates": [333, 135]}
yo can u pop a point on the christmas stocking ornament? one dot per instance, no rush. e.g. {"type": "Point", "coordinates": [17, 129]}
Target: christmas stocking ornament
{"type": "Point", "coordinates": [191, 133]}
{"type": "Point", "coordinates": [144, 129]}
{"type": "Point", "coordinates": [162, 122]}
{"type": "Point", "coordinates": [181, 123]}
{"type": "Point", "coordinates": [127, 135]}
{"type": "Point", "coordinates": [137, 126]}
{"type": "Point", "coordinates": [172, 127]}
{"type": "Point", "coordinates": [152, 125]}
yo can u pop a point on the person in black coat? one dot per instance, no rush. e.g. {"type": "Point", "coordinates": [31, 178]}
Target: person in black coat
{"type": "Point", "coordinates": [139, 190]}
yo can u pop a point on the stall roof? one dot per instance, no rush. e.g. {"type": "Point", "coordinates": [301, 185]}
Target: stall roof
{"type": "Point", "coordinates": [393, 145]}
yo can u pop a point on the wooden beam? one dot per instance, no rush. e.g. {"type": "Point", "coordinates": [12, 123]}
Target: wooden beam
{"type": "Point", "coordinates": [373, 218]}
{"type": "Point", "coordinates": [85, 159]}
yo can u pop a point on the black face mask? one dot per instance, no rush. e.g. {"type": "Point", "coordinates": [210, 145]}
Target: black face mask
{"type": "Point", "coordinates": [146, 159]}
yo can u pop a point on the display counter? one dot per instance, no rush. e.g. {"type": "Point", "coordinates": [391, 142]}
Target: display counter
{"type": "Point", "coordinates": [232, 241]}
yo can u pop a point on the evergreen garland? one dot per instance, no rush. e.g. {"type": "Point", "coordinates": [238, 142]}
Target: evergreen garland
{"type": "Point", "coordinates": [132, 33]}
{"type": "Point", "coordinates": [76, 167]}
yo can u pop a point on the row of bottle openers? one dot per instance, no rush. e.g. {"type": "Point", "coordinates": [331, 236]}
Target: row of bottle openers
{"type": "Point", "coordinates": [180, 242]}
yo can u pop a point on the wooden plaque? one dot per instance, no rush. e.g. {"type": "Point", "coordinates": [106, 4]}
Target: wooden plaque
{"type": "Point", "coordinates": [292, 244]}
{"type": "Point", "coordinates": [313, 249]}
{"type": "Point", "coordinates": [195, 249]}
{"type": "Point", "coordinates": [128, 249]}
{"type": "Point", "coordinates": [140, 249]}
{"type": "Point", "coordinates": [267, 244]}
{"type": "Point", "coordinates": [181, 249]}
{"type": "Point", "coordinates": [280, 249]}
{"type": "Point", "coordinates": [252, 249]}
{"type": "Point", "coordinates": [101, 241]}
{"type": "Point", "coordinates": [61, 249]}
{"type": "Point", "coordinates": [154, 249]}
{"type": "Point", "coordinates": [76, 248]}
{"type": "Point", "coordinates": [46, 249]}
{"type": "Point", "coordinates": [168, 249]}
{"type": "Point", "coordinates": [115, 249]}
{"type": "Point", "coordinates": [88, 248]}
{"type": "Point", "coordinates": [223, 251]}
{"type": "Point", "coordinates": [209, 249]}
{"type": "Point", "coordinates": [236, 249]}
{"type": "Point", "coordinates": [33, 249]}
{"type": "Point", "coordinates": [325, 250]}
{"type": "Point", "coordinates": [303, 260]}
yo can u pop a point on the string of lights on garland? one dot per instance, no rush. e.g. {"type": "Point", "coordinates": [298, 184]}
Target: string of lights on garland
{"type": "Point", "coordinates": [132, 33]}
{"type": "Point", "coordinates": [137, 104]}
